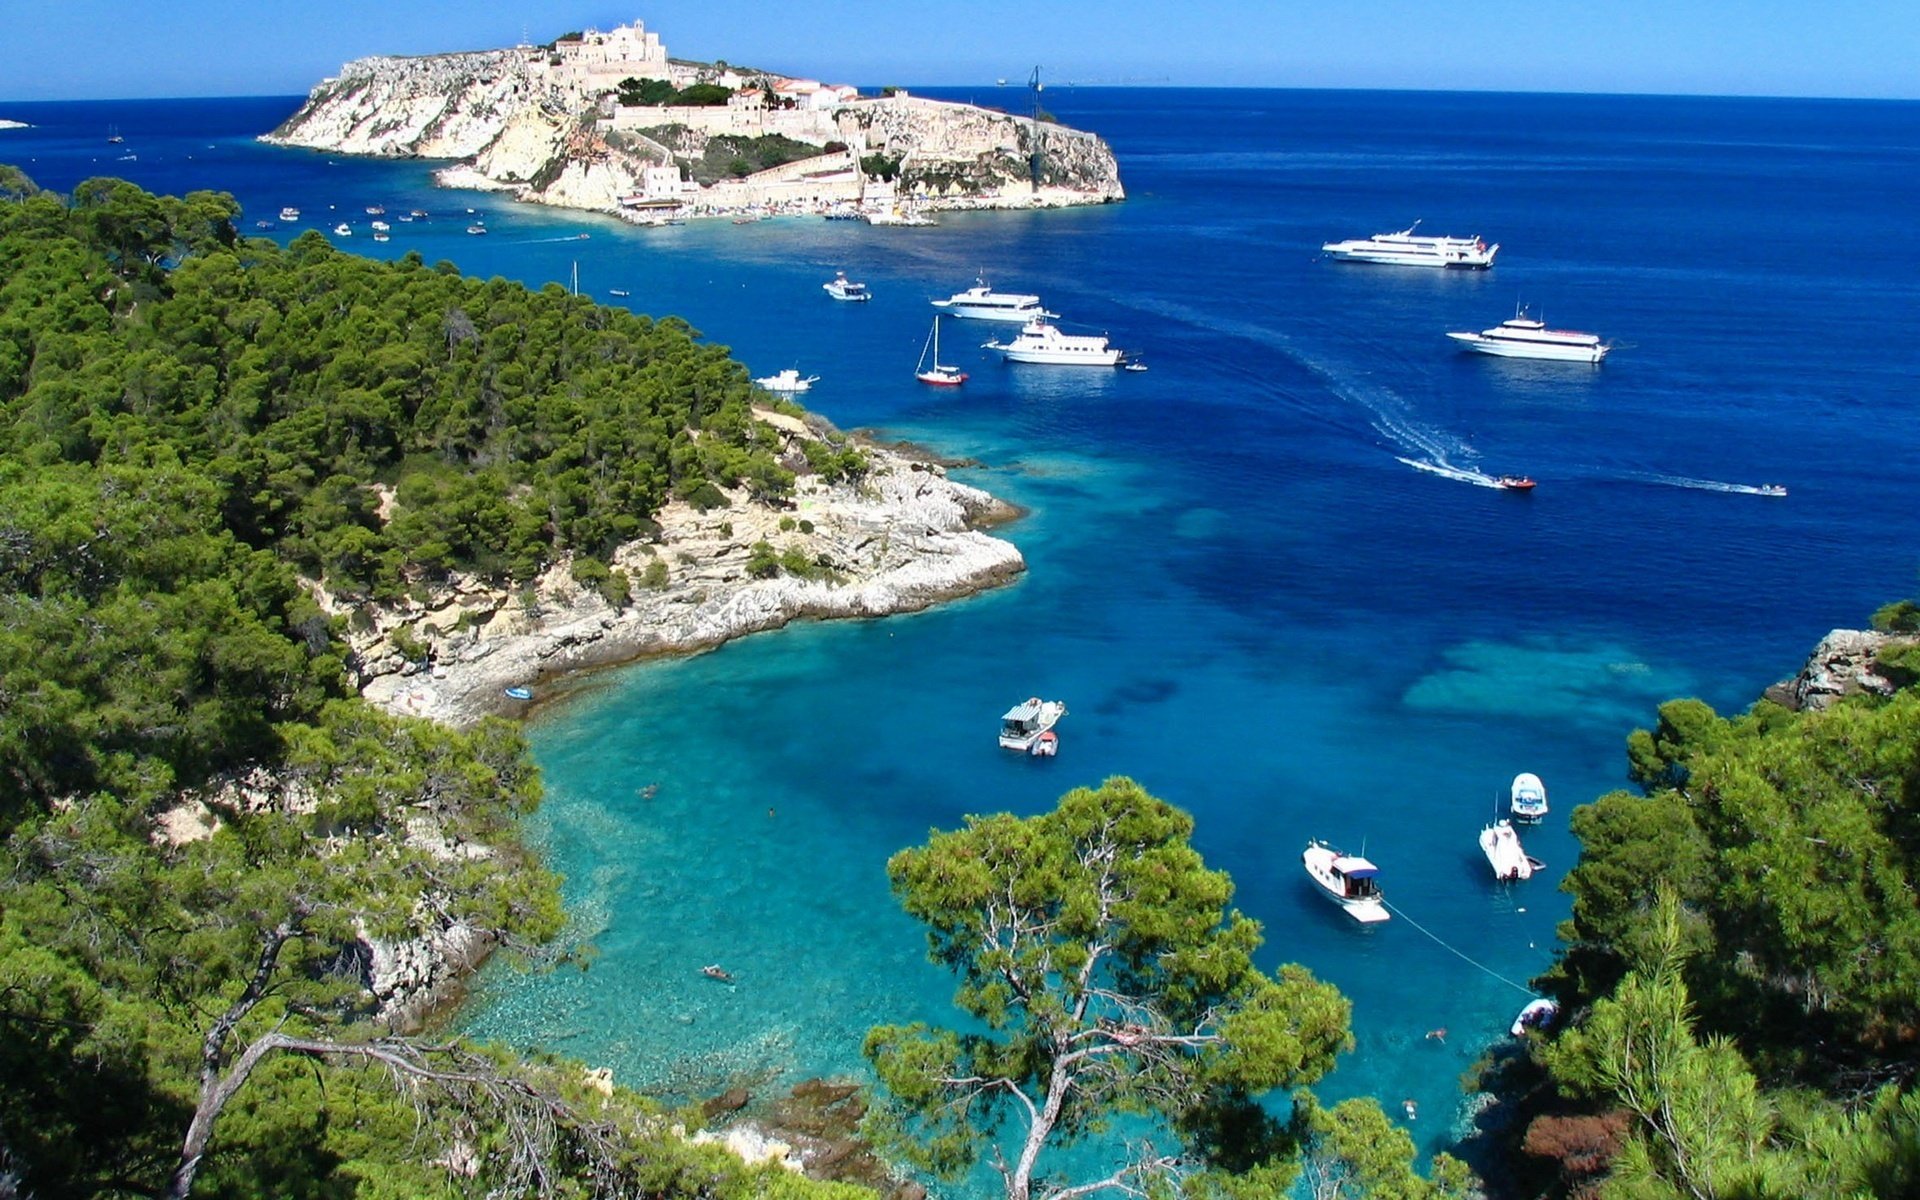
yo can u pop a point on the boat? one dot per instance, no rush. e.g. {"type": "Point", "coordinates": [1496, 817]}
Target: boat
{"type": "Point", "coordinates": [1409, 249]}
{"type": "Point", "coordinates": [789, 381]}
{"type": "Point", "coordinates": [417, 212]}
{"type": "Point", "coordinates": [517, 692]}
{"type": "Point", "coordinates": [1528, 799]}
{"type": "Point", "coordinates": [1523, 336]}
{"type": "Point", "coordinates": [1041, 342]}
{"type": "Point", "coordinates": [1346, 879]}
{"type": "Point", "coordinates": [113, 135]}
{"type": "Point", "coordinates": [1024, 723]}
{"type": "Point", "coordinates": [937, 374]}
{"type": "Point", "coordinates": [842, 288]}
{"type": "Point", "coordinates": [1538, 1014]}
{"type": "Point", "coordinates": [476, 228]}
{"type": "Point", "coordinates": [289, 213]}
{"type": "Point", "coordinates": [343, 230]}
{"type": "Point", "coordinates": [381, 227]}
{"type": "Point", "coordinates": [898, 216]}
{"type": "Point", "coordinates": [1514, 483]}
{"type": "Point", "coordinates": [382, 237]}
{"type": "Point", "coordinates": [1046, 745]}
{"type": "Point", "coordinates": [982, 303]}
{"type": "Point", "coordinates": [622, 292]}
{"type": "Point", "coordinates": [263, 224]}
{"type": "Point", "coordinates": [1501, 845]}
{"type": "Point", "coordinates": [376, 210]}
{"type": "Point", "coordinates": [1770, 489]}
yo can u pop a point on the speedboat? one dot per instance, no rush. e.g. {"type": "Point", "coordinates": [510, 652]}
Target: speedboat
{"type": "Point", "coordinates": [476, 228]}
{"type": "Point", "coordinates": [842, 288]}
{"type": "Point", "coordinates": [1501, 845]}
{"type": "Point", "coordinates": [1041, 342]}
{"type": "Point", "coordinates": [1022, 726]}
{"type": "Point", "coordinates": [1528, 799]}
{"type": "Point", "coordinates": [1346, 879]}
{"type": "Point", "coordinates": [1408, 249]}
{"type": "Point", "coordinates": [622, 292]}
{"type": "Point", "coordinates": [982, 303]}
{"type": "Point", "coordinates": [1524, 337]}
{"type": "Point", "coordinates": [343, 230]}
{"type": "Point", "coordinates": [935, 373]}
{"type": "Point", "coordinates": [1514, 483]}
{"type": "Point", "coordinates": [1538, 1014]}
{"type": "Point", "coordinates": [1770, 489]}
{"type": "Point", "coordinates": [376, 210]}
{"type": "Point", "coordinates": [289, 213]}
{"type": "Point", "coordinates": [789, 381]}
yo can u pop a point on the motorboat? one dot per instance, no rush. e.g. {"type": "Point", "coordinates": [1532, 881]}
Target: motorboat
{"type": "Point", "coordinates": [289, 213]}
{"type": "Point", "coordinates": [1514, 483]}
{"type": "Point", "coordinates": [982, 303]}
{"type": "Point", "coordinates": [343, 230]}
{"type": "Point", "coordinates": [1770, 489]}
{"type": "Point", "coordinates": [376, 210]}
{"type": "Point", "coordinates": [382, 237]}
{"type": "Point", "coordinates": [1024, 724]}
{"type": "Point", "coordinates": [898, 216]}
{"type": "Point", "coordinates": [1538, 1014]}
{"type": "Point", "coordinates": [789, 381]}
{"type": "Point", "coordinates": [1523, 336]}
{"type": "Point", "coordinates": [1527, 801]}
{"type": "Point", "coordinates": [263, 224]}
{"type": "Point", "coordinates": [1041, 342]}
{"type": "Point", "coordinates": [1410, 249]}
{"type": "Point", "coordinates": [842, 288]}
{"type": "Point", "coordinates": [476, 228]}
{"type": "Point", "coordinates": [1346, 879]}
{"type": "Point", "coordinates": [1046, 745]}
{"type": "Point", "coordinates": [417, 213]}
{"type": "Point", "coordinates": [621, 292]}
{"type": "Point", "coordinates": [1501, 845]}
{"type": "Point", "coordinates": [381, 227]}
{"type": "Point", "coordinates": [934, 372]}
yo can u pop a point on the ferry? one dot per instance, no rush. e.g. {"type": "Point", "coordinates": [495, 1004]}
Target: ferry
{"type": "Point", "coordinates": [1409, 249]}
{"type": "Point", "coordinates": [1524, 337]}
{"type": "Point", "coordinates": [982, 303]}
{"type": "Point", "coordinates": [1040, 342]}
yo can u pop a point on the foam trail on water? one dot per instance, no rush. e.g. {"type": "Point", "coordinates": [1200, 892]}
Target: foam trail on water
{"type": "Point", "coordinates": [1703, 485]}
{"type": "Point", "coordinates": [1476, 478]}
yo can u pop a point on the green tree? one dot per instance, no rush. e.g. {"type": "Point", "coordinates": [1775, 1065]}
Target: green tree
{"type": "Point", "coordinates": [1104, 975]}
{"type": "Point", "coordinates": [1354, 1150]}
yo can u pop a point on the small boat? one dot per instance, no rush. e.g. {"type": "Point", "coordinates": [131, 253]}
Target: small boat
{"type": "Point", "coordinates": [263, 224]}
{"type": "Point", "coordinates": [1133, 364]}
{"type": "Point", "coordinates": [1525, 337]}
{"type": "Point", "coordinates": [1538, 1014]}
{"type": "Point", "coordinates": [1041, 342]}
{"type": "Point", "coordinates": [343, 230]}
{"type": "Point", "coordinates": [982, 303]}
{"type": "Point", "coordinates": [1501, 845]}
{"type": "Point", "coordinates": [1514, 483]}
{"type": "Point", "coordinates": [1770, 489]}
{"type": "Point", "coordinates": [375, 210]}
{"type": "Point", "coordinates": [289, 213]}
{"type": "Point", "coordinates": [1346, 879]}
{"type": "Point", "coordinates": [381, 227]}
{"type": "Point", "coordinates": [418, 212]}
{"type": "Point", "coordinates": [842, 288]}
{"type": "Point", "coordinates": [113, 135]}
{"type": "Point", "coordinates": [1527, 800]}
{"type": "Point", "coordinates": [1024, 724]}
{"type": "Point", "coordinates": [622, 292]}
{"type": "Point", "coordinates": [517, 692]}
{"type": "Point", "coordinates": [789, 381]}
{"type": "Point", "coordinates": [1046, 745]}
{"type": "Point", "coordinates": [937, 374]}
{"type": "Point", "coordinates": [1409, 249]}
{"type": "Point", "coordinates": [476, 228]}
{"type": "Point", "coordinates": [382, 237]}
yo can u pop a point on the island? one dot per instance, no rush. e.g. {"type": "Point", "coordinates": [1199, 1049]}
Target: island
{"type": "Point", "coordinates": [608, 122]}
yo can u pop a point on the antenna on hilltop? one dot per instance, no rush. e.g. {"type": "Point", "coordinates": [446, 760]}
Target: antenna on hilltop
{"type": "Point", "coordinates": [1033, 162]}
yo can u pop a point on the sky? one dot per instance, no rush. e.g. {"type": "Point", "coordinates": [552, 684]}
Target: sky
{"type": "Point", "coordinates": [108, 49]}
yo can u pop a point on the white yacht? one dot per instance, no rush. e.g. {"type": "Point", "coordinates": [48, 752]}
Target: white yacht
{"type": "Point", "coordinates": [1524, 337]}
{"type": "Point", "coordinates": [1024, 724]}
{"type": "Point", "coordinates": [1040, 342]}
{"type": "Point", "coordinates": [982, 303]}
{"type": "Point", "coordinates": [1346, 879]}
{"type": "Point", "coordinates": [1528, 799]}
{"type": "Point", "coordinates": [289, 213]}
{"type": "Point", "coordinates": [842, 288]}
{"type": "Point", "coordinates": [1409, 249]}
{"type": "Point", "coordinates": [343, 230]}
{"type": "Point", "coordinates": [789, 381]}
{"type": "Point", "coordinates": [1501, 845]}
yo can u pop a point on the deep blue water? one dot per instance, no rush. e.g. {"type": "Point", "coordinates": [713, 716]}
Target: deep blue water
{"type": "Point", "coordinates": [1249, 602]}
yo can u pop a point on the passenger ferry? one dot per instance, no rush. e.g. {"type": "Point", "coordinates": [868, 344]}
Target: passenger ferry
{"type": "Point", "coordinates": [982, 303]}
{"type": "Point", "coordinates": [1524, 337]}
{"type": "Point", "coordinates": [1408, 249]}
{"type": "Point", "coordinates": [1040, 342]}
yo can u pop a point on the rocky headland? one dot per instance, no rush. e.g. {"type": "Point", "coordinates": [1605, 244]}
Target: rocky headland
{"type": "Point", "coordinates": [1847, 662]}
{"type": "Point", "coordinates": [551, 124]}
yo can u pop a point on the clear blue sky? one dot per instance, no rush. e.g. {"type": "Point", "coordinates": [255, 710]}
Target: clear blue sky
{"type": "Point", "coordinates": [80, 49]}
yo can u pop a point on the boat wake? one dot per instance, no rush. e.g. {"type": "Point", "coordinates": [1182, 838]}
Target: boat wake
{"type": "Point", "coordinates": [1711, 485]}
{"type": "Point", "coordinates": [1447, 471]}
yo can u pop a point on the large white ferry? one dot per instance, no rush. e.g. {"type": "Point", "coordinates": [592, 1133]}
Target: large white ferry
{"type": "Point", "coordinates": [1409, 249]}
{"type": "Point", "coordinates": [1524, 337]}
{"type": "Point", "coordinates": [982, 303]}
{"type": "Point", "coordinates": [1040, 342]}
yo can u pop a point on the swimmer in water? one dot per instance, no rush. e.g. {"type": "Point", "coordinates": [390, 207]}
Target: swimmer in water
{"type": "Point", "coordinates": [713, 971]}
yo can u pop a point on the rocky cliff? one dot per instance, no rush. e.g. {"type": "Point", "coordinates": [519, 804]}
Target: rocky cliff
{"type": "Point", "coordinates": [1847, 662]}
{"type": "Point", "coordinates": [517, 123]}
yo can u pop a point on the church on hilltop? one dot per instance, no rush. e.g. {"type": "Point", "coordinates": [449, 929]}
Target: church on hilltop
{"type": "Point", "coordinates": [593, 62]}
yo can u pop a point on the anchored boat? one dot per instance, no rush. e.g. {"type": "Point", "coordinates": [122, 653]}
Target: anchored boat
{"type": "Point", "coordinates": [1501, 845]}
{"type": "Point", "coordinates": [1346, 879]}
{"type": "Point", "coordinates": [937, 374]}
{"type": "Point", "coordinates": [1040, 342]}
{"type": "Point", "coordinates": [1024, 724]}
{"type": "Point", "coordinates": [1527, 800]}
{"type": "Point", "coordinates": [1523, 336]}
{"type": "Point", "coordinates": [1409, 249]}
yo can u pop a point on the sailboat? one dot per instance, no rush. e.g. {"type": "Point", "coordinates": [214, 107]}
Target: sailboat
{"type": "Point", "coordinates": [936, 374]}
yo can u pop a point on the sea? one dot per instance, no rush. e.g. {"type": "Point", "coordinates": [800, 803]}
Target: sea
{"type": "Point", "coordinates": [1268, 576]}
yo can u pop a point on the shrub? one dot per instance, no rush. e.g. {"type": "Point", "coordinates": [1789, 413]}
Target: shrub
{"type": "Point", "coordinates": [705, 497]}
{"type": "Point", "coordinates": [762, 562]}
{"type": "Point", "coordinates": [787, 524]}
{"type": "Point", "coordinates": [655, 576]}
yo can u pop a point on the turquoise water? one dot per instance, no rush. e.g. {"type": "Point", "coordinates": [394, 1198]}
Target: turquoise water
{"type": "Point", "coordinates": [1247, 599]}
